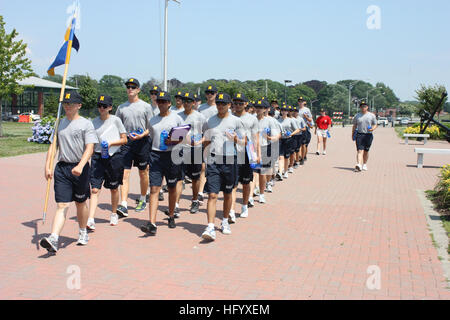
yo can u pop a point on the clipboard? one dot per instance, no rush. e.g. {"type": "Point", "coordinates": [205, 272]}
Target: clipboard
{"type": "Point", "coordinates": [179, 133]}
{"type": "Point", "coordinates": [110, 135]}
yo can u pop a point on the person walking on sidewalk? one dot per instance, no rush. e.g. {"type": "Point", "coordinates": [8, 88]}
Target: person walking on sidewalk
{"type": "Point", "coordinates": [323, 124]}
{"type": "Point", "coordinates": [106, 171]}
{"type": "Point", "coordinates": [76, 139]}
{"type": "Point", "coordinates": [364, 124]}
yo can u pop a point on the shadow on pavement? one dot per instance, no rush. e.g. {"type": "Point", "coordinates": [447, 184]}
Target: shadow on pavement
{"type": "Point", "coordinates": [196, 229]}
{"type": "Point", "coordinates": [34, 225]}
{"type": "Point", "coordinates": [344, 168]}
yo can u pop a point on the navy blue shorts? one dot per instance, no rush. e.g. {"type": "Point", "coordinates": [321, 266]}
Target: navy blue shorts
{"type": "Point", "coordinates": [161, 165]}
{"type": "Point", "coordinates": [70, 188]}
{"type": "Point", "coordinates": [286, 148]}
{"type": "Point", "coordinates": [220, 177]}
{"type": "Point", "coordinates": [298, 142]}
{"type": "Point", "coordinates": [107, 172]}
{"type": "Point", "coordinates": [364, 141]}
{"type": "Point", "coordinates": [307, 139]}
{"type": "Point", "coordinates": [244, 172]}
{"type": "Point", "coordinates": [136, 153]}
{"type": "Point", "coordinates": [192, 163]}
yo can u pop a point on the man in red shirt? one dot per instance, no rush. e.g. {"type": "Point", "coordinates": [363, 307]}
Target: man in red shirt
{"type": "Point", "coordinates": [323, 123]}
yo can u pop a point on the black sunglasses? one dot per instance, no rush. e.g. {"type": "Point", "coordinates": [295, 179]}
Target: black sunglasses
{"type": "Point", "coordinates": [238, 103]}
{"type": "Point", "coordinates": [131, 87]}
{"type": "Point", "coordinates": [104, 106]}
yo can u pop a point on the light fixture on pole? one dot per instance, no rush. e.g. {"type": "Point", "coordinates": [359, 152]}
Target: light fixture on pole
{"type": "Point", "coordinates": [166, 15]}
{"type": "Point", "coordinates": [285, 89]}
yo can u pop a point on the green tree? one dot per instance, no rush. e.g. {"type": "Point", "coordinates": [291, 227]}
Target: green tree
{"type": "Point", "coordinates": [14, 66]}
{"type": "Point", "coordinates": [51, 103]}
{"type": "Point", "coordinates": [428, 97]}
{"type": "Point", "coordinates": [56, 78]}
{"type": "Point", "coordinates": [89, 93]}
{"type": "Point", "coordinates": [406, 109]}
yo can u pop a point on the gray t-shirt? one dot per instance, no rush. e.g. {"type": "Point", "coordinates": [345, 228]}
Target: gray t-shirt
{"type": "Point", "coordinates": [363, 121]}
{"type": "Point", "coordinates": [301, 123]}
{"type": "Point", "coordinates": [158, 124]}
{"type": "Point", "coordinates": [73, 136]}
{"type": "Point", "coordinates": [250, 129]}
{"type": "Point", "coordinates": [207, 111]}
{"type": "Point", "coordinates": [305, 111]}
{"type": "Point", "coordinates": [101, 126]}
{"type": "Point", "coordinates": [135, 116]}
{"type": "Point", "coordinates": [155, 109]}
{"type": "Point", "coordinates": [197, 121]}
{"type": "Point", "coordinates": [215, 129]}
{"type": "Point", "coordinates": [267, 123]}
{"type": "Point", "coordinates": [288, 124]}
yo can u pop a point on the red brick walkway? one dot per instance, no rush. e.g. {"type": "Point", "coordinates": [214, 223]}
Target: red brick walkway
{"type": "Point", "coordinates": [315, 239]}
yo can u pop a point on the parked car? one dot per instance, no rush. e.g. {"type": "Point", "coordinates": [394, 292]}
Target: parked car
{"type": "Point", "coordinates": [404, 121]}
{"type": "Point", "coordinates": [13, 117]}
{"type": "Point", "coordinates": [34, 117]}
{"type": "Point", "coordinates": [383, 121]}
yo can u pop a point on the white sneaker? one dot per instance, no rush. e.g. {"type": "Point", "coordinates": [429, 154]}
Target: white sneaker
{"type": "Point", "coordinates": [244, 213]}
{"type": "Point", "coordinates": [251, 202]}
{"type": "Point", "coordinates": [226, 228]}
{"type": "Point", "coordinates": [256, 192]}
{"type": "Point", "coordinates": [91, 224]}
{"type": "Point", "coordinates": [83, 239]}
{"type": "Point", "coordinates": [262, 199]}
{"type": "Point", "coordinates": [232, 217]}
{"type": "Point", "coordinates": [291, 170]}
{"type": "Point", "coordinates": [286, 175]}
{"type": "Point", "coordinates": [358, 168]}
{"type": "Point", "coordinates": [365, 167]}
{"type": "Point", "coordinates": [324, 153]}
{"type": "Point", "coordinates": [209, 234]}
{"type": "Point", "coordinates": [268, 188]}
{"type": "Point", "coordinates": [114, 219]}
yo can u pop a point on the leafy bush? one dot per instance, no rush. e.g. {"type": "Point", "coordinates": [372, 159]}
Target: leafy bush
{"type": "Point", "coordinates": [43, 130]}
{"type": "Point", "coordinates": [434, 131]}
{"type": "Point", "coordinates": [441, 193]}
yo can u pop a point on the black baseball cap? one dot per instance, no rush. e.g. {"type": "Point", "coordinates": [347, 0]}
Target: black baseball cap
{"type": "Point", "coordinates": [322, 110]}
{"type": "Point", "coordinates": [72, 97]}
{"type": "Point", "coordinates": [189, 96]}
{"type": "Point", "coordinates": [274, 101]}
{"type": "Point", "coordinates": [163, 96]}
{"type": "Point", "coordinates": [211, 88]}
{"type": "Point", "coordinates": [155, 89]}
{"type": "Point", "coordinates": [363, 103]}
{"type": "Point", "coordinates": [105, 100]}
{"type": "Point", "coordinates": [133, 81]}
{"type": "Point", "coordinates": [223, 97]}
{"type": "Point", "coordinates": [179, 95]}
{"type": "Point", "coordinates": [240, 97]}
{"type": "Point", "coordinates": [301, 99]}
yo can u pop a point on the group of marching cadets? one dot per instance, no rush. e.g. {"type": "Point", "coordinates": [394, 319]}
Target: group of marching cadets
{"type": "Point", "coordinates": [228, 141]}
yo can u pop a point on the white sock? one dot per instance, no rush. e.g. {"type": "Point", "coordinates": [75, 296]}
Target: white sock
{"type": "Point", "coordinates": [176, 205]}
{"type": "Point", "coordinates": [54, 236]}
{"type": "Point", "coordinates": [211, 225]}
{"type": "Point", "coordinates": [244, 208]}
{"type": "Point", "coordinates": [148, 192]}
{"type": "Point", "coordinates": [232, 212]}
{"type": "Point", "coordinates": [124, 204]}
{"type": "Point", "coordinates": [200, 194]}
{"type": "Point", "coordinates": [142, 198]}
{"type": "Point", "coordinates": [250, 199]}
{"type": "Point", "coordinates": [225, 221]}
{"type": "Point", "coordinates": [83, 230]}
{"type": "Point", "coordinates": [195, 201]}
{"type": "Point", "coordinates": [91, 220]}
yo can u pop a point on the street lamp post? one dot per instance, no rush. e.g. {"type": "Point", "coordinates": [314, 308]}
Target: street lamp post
{"type": "Point", "coordinates": [312, 102]}
{"type": "Point", "coordinates": [166, 16]}
{"type": "Point", "coordinates": [285, 89]}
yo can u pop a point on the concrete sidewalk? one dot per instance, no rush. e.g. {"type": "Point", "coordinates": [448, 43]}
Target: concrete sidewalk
{"type": "Point", "coordinates": [315, 239]}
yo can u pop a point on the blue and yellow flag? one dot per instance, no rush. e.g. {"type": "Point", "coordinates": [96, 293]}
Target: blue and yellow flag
{"type": "Point", "coordinates": [63, 56]}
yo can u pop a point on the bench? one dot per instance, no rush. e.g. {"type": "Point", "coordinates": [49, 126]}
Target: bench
{"type": "Point", "coordinates": [424, 136]}
{"type": "Point", "coordinates": [421, 151]}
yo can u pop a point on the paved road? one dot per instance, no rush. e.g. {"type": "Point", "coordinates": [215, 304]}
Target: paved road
{"type": "Point", "coordinates": [315, 239]}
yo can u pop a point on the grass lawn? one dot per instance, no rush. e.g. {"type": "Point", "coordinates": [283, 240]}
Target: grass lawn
{"type": "Point", "coordinates": [14, 142]}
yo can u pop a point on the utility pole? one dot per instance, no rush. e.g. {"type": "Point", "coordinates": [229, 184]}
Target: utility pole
{"type": "Point", "coordinates": [166, 16]}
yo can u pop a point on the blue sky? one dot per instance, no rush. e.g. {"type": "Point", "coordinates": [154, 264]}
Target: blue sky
{"type": "Point", "coordinates": [246, 39]}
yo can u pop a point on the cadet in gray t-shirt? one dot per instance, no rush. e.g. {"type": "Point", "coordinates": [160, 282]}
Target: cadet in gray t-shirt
{"type": "Point", "coordinates": [101, 126]}
{"type": "Point", "coordinates": [364, 124]}
{"type": "Point", "coordinates": [75, 139]}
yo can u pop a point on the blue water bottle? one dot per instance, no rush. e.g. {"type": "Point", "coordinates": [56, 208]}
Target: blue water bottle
{"type": "Point", "coordinates": [288, 133]}
{"type": "Point", "coordinates": [268, 132]}
{"type": "Point", "coordinates": [162, 142]}
{"type": "Point", "coordinates": [354, 135]}
{"type": "Point", "coordinates": [105, 150]}
{"type": "Point", "coordinates": [328, 134]}
{"type": "Point", "coordinates": [369, 128]}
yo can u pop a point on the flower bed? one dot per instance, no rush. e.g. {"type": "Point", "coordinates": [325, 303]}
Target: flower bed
{"type": "Point", "coordinates": [42, 131]}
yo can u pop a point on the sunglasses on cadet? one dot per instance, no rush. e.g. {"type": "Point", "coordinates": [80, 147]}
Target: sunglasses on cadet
{"type": "Point", "coordinates": [238, 104]}
{"type": "Point", "coordinates": [104, 106]}
{"type": "Point", "coordinates": [131, 87]}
